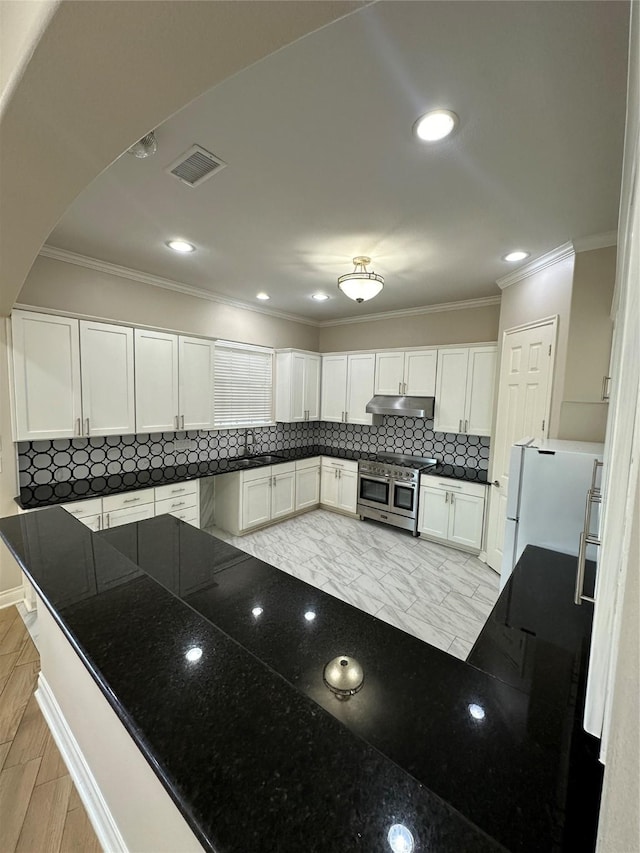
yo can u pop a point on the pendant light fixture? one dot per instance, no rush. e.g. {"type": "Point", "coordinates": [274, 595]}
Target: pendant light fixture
{"type": "Point", "coordinates": [361, 285]}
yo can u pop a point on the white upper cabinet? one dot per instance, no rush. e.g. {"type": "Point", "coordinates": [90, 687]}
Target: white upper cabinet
{"type": "Point", "coordinates": [408, 373]}
{"type": "Point", "coordinates": [334, 388]}
{"type": "Point", "coordinates": [347, 387]}
{"type": "Point", "coordinates": [157, 406]}
{"type": "Point", "coordinates": [297, 386]}
{"type": "Point", "coordinates": [46, 362]}
{"type": "Point", "coordinates": [108, 393]}
{"type": "Point", "coordinates": [465, 390]}
{"type": "Point", "coordinates": [195, 383]}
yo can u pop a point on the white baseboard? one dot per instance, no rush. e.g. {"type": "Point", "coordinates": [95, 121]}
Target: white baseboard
{"type": "Point", "coordinates": [11, 596]}
{"type": "Point", "coordinates": [97, 810]}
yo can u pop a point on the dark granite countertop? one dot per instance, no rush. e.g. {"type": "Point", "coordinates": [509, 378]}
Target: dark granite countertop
{"type": "Point", "coordinates": [484, 755]}
{"type": "Point", "coordinates": [97, 487]}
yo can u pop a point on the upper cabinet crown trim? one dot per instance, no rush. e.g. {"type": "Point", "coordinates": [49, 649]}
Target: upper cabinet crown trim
{"type": "Point", "coordinates": [412, 312]}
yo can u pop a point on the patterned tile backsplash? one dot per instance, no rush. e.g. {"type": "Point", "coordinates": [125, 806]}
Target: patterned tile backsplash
{"type": "Point", "coordinates": [63, 460]}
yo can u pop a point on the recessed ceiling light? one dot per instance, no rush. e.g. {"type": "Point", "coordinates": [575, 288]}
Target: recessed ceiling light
{"type": "Point", "coordinates": [181, 246]}
{"type": "Point", "coordinates": [262, 296]}
{"type": "Point", "coordinates": [516, 256]}
{"type": "Point", "coordinates": [435, 125]}
{"type": "Point", "coordinates": [319, 297]}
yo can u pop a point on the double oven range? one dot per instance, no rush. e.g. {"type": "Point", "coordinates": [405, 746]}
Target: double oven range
{"type": "Point", "coordinates": [388, 488]}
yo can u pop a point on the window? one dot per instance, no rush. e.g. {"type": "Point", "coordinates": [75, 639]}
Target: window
{"type": "Point", "coordinates": [243, 385]}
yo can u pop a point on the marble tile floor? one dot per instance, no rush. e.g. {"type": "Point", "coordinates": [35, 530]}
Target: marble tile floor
{"type": "Point", "coordinates": [440, 595]}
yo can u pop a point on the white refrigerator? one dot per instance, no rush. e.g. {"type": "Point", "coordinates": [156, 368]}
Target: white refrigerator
{"type": "Point", "coordinates": [548, 484]}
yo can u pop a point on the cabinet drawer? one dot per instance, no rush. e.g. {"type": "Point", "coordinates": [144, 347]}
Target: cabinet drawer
{"type": "Point", "coordinates": [82, 508]}
{"type": "Point", "coordinates": [301, 464]}
{"type": "Point", "coordinates": [256, 474]}
{"type": "Point", "coordinates": [180, 503]}
{"type": "Point", "coordinates": [283, 468]}
{"type": "Point", "coordinates": [190, 516]}
{"type": "Point", "coordinates": [175, 490]}
{"type": "Point", "coordinates": [344, 464]}
{"type": "Point", "coordinates": [128, 499]}
{"type": "Point", "coordinates": [457, 486]}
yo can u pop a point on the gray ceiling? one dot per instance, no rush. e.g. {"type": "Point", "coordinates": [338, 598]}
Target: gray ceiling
{"type": "Point", "coordinates": [322, 163]}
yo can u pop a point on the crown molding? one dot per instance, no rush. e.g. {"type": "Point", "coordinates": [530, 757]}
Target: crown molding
{"type": "Point", "coordinates": [596, 241]}
{"type": "Point", "coordinates": [566, 250]}
{"type": "Point", "coordinates": [481, 302]}
{"type": "Point", "coordinates": [165, 283]}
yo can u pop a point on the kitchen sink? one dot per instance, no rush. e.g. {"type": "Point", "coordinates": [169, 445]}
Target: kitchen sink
{"type": "Point", "coordinates": [266, 459]}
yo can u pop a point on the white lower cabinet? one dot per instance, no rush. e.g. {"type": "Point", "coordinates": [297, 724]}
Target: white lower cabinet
{"type": "Point", "coordinates": [307, 483]}
{"type": "Point", "coordinates": [127, 515]}
{"type": "Point", "coordinates": [256, 502]}
{"type": "Point", "coordinates": [452, 511]}
{"type": "Point", "coordinates": [245, 500]}
{"type": "Point", "coordinates": [339, 484]}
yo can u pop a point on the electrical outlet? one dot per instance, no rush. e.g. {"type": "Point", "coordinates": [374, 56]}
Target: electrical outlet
{"type": "Point", "coordinates": [184, 444]}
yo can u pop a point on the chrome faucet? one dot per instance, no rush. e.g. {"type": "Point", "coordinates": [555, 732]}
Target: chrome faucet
{"type": "Point", "coordinates": [248, 441]}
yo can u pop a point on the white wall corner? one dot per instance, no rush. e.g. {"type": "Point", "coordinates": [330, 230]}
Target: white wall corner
{"type": "Point", "coordinates": [566, 250]}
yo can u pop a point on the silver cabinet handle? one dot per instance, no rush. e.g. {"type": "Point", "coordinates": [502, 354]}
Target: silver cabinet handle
{"type": "Point", "coordinates": [399, 387]}
{"type": "Point", "coordinates": [460, 426]}
{"type": "Point", "coordinates": [99, 522]}
{"type": "Point", "coordinates": [449, 486]}
{"type": "Point", "coordinates": [106, 521]}
{"type": "Point", "coordinates": [496, 483]}
{"type": "Point", "coordinates": [335, 473]}
{"type": "Point", "coordinates": [175, 506]}
{"type": "Point", "coordinates": [346, 417]}
{"type": "Point", "coordinates": [176, 491]}
{"type": "Point", "coordinates": [605, 388]}
{"type": "Point", "coordinates": [130, 500]}
{"type": "Point", "coordinates": [87, 422]}
{"type": "Point", "coordinates": [176, 420]}
{"type": "Point", "coordinates": [451, 497]}
{"type": "Point", "coordinates": [78, 427]}
{"type": "Point", "coordinates": [446, 497]}
{"type": "Point", "coordinates": [466, 426]}
{"type": "Point", "coordinates": [182, 419]}
{"type": "Point", "coordinates": [404, 387]}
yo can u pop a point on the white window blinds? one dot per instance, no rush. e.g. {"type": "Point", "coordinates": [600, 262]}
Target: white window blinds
{"type": "Point", "coordinates": [243, 386]}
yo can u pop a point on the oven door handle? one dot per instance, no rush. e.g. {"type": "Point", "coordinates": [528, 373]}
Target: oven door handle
{"type": "Point", "coordinates": [403, 485]}
{"type": "Point", "coordinates": [374, 479]}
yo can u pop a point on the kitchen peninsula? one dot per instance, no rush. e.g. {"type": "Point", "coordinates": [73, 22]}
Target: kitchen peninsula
{"type": "Point", "coordinates": [213, 666]}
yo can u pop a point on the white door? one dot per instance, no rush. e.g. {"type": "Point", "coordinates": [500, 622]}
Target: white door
{"type": "Point", "coordinates": [420, 373]}
{"type": "Point", "coordinates": [256, 502]}
{"type": "Point", "coordinates": [347, 490]}
{"type": "Point", "coordinates": [307, 487]}
{"type": "Point", "coordinates": [480, 394]}
{"type": "Point", "coordinates": [312, 387]}
{"type": "Point", "coordinates": [334, 387]}
{"type": "Point", "coordinates": [108, 392]}
{"type": "Point", "coordinates": [360, 383]}
{"type": "Point", "coordinates": [46, 366]}
{"type": "Point", "coordinates": [466, 514]}
{"type": "Point", "coordinates": [156, 381]}
{"type": "Point", "coordinates": [389, 373]}
{"type": "Point", "coordinates": [118, 517]}
{"type": "Point", "coordinates": [433, 517]}
{"type": "Point", "coordinates": [524, 393]}
{"type": "Point", "coordinates": [329, 486]}
{"type": "Point", "coordinates": [195, 383]}
{"type": "Point", "coordinates": [283, 493]}
{"type": "Point", "coordinates": [451, 390]}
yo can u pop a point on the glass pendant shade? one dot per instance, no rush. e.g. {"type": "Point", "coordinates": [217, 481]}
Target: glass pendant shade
{"type": "Point", "coordinates": [361, 285]}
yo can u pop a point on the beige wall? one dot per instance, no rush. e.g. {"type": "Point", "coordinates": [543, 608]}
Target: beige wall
{"type": "Point", "coordinates": [60, 286]}
{"type": "Point", "coordinates": [466, 325]}
{"type": "Point", "coordinates": [21, 25]}
{"type": "Point", "coordinates": [543, 294]}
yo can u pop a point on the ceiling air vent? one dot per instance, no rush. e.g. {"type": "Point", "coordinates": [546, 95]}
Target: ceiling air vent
{"type": "Point", "coordinates": [195, 166]}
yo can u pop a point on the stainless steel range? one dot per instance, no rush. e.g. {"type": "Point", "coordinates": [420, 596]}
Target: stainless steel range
{"type": "Point", "coordinates": [388, 489]}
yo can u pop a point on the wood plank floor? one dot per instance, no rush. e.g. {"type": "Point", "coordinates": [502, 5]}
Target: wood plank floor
{"type": "Point", "coordinates": [40, 810]}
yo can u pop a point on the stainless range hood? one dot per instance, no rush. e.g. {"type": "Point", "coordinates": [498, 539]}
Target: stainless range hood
{"type": "Point", "coordinates": [410, 407]}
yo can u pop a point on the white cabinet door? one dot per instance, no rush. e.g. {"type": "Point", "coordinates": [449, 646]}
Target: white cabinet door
{"type": "Point", "coordinates": [93, 522]}
{"type": "Point", "coordinates": [195, 383]}
{"type": "Point", "coordinates": [347, 490]}
{"type": "Point", "coordinates": [108, 393]}
{"type": "Point", "coordinates": [46, 365]}
{"type": "Point", "coordinates": [481, 376]}
{"type": "Point", "coordinates": [389, 373]}
{"type": "Point", "coordinates": [283, 493]}
{"type": "Point", "coordinates": [434, 512]}
{"type": "Point", "coordinates": [360, 383]}
{"type": "Point", "coordinates": [307, 487]}
{"type": "Point", "coordinates": [312, 387]}
{"type": "Point", "coordinates": [256, 502]}
{"type": "Point", "coordinates": [118, 517]}
{"type": "Point", "coordinates": [329, 486]}
{"type": "Point", "coordinates": [334, 387]}
{"type": "Point", "coordinates": [466, 514]}
{"type": "Point", "coordinates": [297, 387]}
{"type": "Point", "coordinates": [420, 373]}
{"type": "Point", "coordinates": [156, 381]}
{"type": "Point", "coordinates": [451, 390]}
